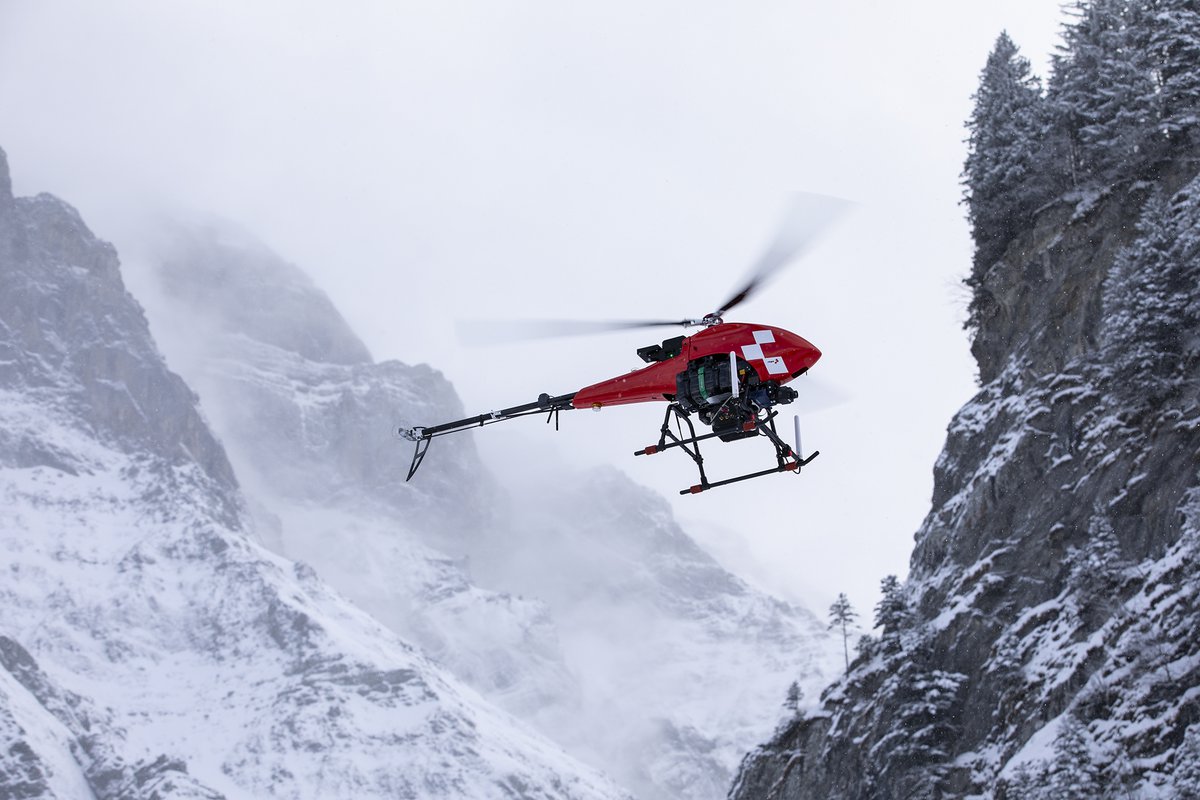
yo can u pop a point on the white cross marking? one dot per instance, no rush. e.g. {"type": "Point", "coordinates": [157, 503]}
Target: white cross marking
{"type": "Point", "coordinates": [754, 352]}
{"type": "Point", "coordinates": [775, 365]}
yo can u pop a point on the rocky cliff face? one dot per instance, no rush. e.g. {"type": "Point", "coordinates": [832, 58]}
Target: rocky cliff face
{"type": "Point", "coordinates": [149, 648]}
{"type": "Point", "coordinates": [586, 611]}
{"type": "Point", "coordinates": [61, 356]}
{"type": "Point", "coordinates": [309, 418]}
{"type": "Point", "coordinates": [1044, 644]}
{"type": "Point", "coordinates": [305, 411]}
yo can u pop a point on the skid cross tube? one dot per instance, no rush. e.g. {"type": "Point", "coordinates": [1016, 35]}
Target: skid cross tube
{"type": "Point", "coordinates": [786, 459]}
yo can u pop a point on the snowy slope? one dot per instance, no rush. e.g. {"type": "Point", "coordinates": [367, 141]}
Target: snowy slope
{"type": "Point", "coordinates": [311, 437]}
{"type": "Point", "coordinates": [610, 630]}
{"type": "Point", "coordinates": [149, 647]}
{"type": "Point", "coordinates": [245, 666]}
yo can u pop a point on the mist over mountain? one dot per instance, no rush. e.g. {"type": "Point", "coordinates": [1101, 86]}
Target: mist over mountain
{"type": "Point", "coordinates": [149, 648]}
{"type": "Point", "coordinates": [1044, 644]}
{"type": "Point", "coordinates": [583, 607]}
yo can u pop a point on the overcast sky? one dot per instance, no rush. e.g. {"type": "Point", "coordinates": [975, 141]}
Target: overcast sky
{"type": "Point", "coordinates": [427, 162]}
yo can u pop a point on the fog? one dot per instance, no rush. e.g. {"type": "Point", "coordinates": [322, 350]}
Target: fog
{"type": "Point", "coordinates": [427, 163]}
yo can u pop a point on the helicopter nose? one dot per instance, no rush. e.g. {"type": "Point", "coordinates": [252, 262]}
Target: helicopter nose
{"type": "Point", "coordinates": [803, 353]}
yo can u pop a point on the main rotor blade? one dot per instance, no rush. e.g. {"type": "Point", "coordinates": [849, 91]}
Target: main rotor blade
{"type": "Point", "coordinates": [484, 332]}
{"type": "Point", "coordinates": [805, 218]}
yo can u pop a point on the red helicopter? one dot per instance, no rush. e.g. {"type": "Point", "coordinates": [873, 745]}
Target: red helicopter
{"type": "Point", "coordinates": [731, 375]}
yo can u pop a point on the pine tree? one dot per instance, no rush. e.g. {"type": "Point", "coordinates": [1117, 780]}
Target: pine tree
{"type": "Point", "coordinates": [1124, 135]}
{"type": "Point", "coordinates": [1184, 280]}
{"type": "Point", "coordinates": [794, 695]}
{"type": "Point", "coordinates": [842, 616]}
{"type": "Point", "coordinates": [1095, 576]}
{"type": "Point", "coordinates": [1174, 45]}
{"type": "Point", "coordinates": [1138, 334]}
{"type": "Point", "coordinates": [924, 713]}
{"type": "Point", "coordinates": [1125, 90]}
{"type": "Point", "coordinates": [1003, 184]}
{"type": "Point", "coordinates": [1008, 670]}
{"type": "Point", "coordinates": [1074, 776]}
{"type": "Point", "coordinates": [1028, 782]}
{"type": "Point", "coordinates": [892, 614]}
{"type": "Point", "coordinates": [1152, 298]}
{"type": "Point", "coordinates": [1186, 775]}
{"type": "Point", "coordinates": [865, 646]}
{"type": "Point", "coordinates": [1104, 93]}
{"type": "Point", "coordinates": [1119, 776]}
{"type": "Point", "coordinates": [1148, 649]}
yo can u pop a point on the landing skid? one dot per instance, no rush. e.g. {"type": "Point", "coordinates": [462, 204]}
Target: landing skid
{"type": "Point", "coordinates": [786, 459]}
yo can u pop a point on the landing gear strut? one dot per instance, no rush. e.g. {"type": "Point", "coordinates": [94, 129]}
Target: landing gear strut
{"type": "Point", "coordinates": [762, 423]}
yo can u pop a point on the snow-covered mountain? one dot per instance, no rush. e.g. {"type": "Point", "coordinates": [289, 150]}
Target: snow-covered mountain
{"type": "Point", "coordinates": [589, 612]}
{"type": "Point", "coordinates": [1045, 645]}
{"type": "Point", "coordinates": [307, 418]}
{"type": "Point", "coordinates": [149, 647]}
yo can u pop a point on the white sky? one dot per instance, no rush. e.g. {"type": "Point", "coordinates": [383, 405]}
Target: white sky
{"type": "Point", "coordinates": [427, 162]}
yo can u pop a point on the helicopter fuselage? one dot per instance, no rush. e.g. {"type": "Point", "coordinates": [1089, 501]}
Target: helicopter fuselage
{"type": "Point", "coordinates": [773, 354]}
{"type": "Point", "coordinates": [729, 375]}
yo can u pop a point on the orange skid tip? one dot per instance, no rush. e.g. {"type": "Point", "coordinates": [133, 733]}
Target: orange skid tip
{"type": "Point", "coordinates": [651, 450]}
{"type": "Point", "coordinates": [697, 489]}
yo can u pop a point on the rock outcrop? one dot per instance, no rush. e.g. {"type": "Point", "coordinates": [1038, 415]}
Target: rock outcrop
{"type": "Point", "coordinates": [1044, 644]}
